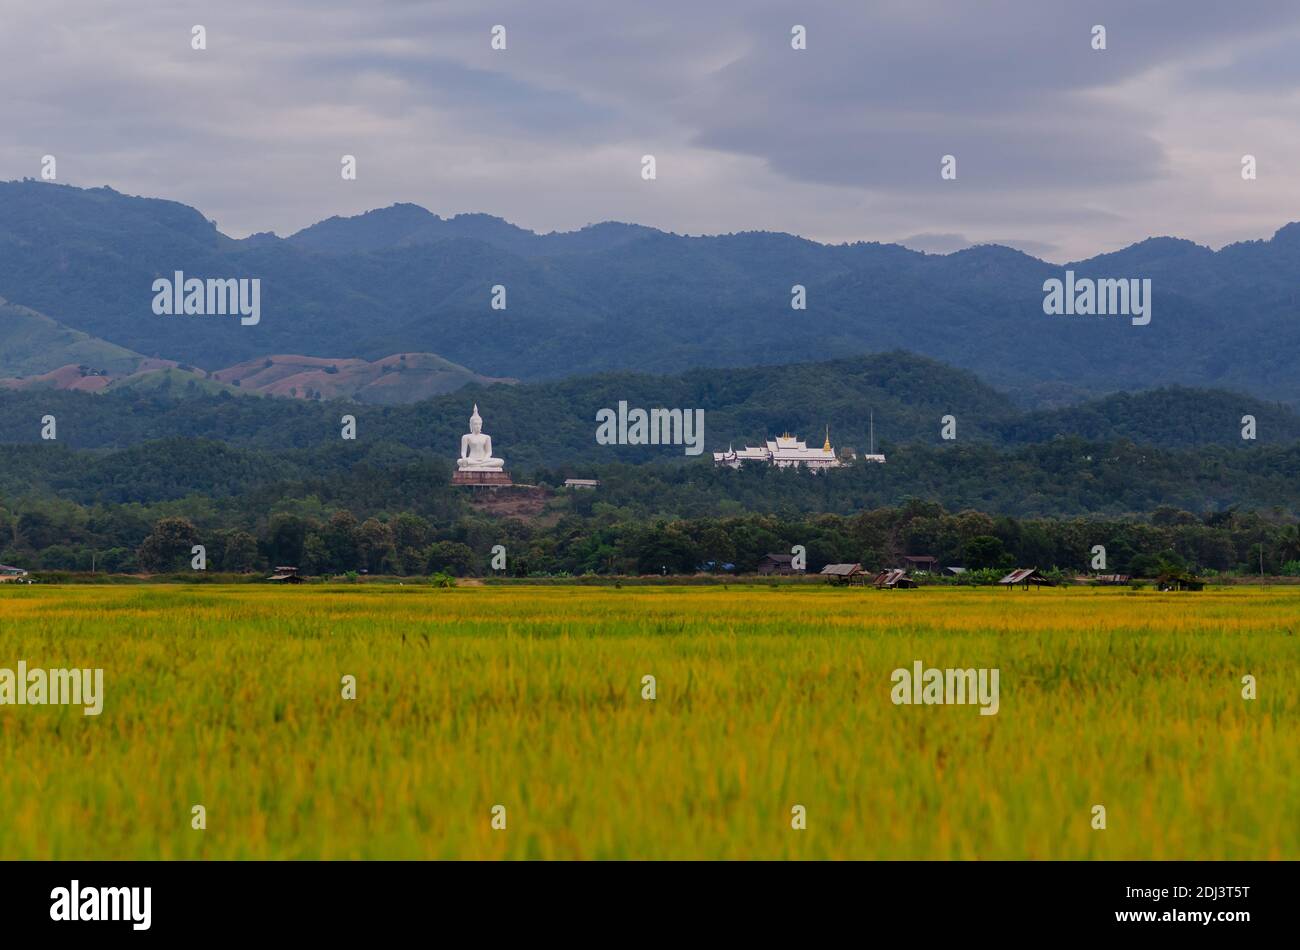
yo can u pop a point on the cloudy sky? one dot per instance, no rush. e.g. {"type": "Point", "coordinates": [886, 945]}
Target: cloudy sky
{"type": "Point", "coordinates": [1061, 150]}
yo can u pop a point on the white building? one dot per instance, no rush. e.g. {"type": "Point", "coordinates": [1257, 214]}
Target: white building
{"type": "Point", "coordinates": [786, 451]}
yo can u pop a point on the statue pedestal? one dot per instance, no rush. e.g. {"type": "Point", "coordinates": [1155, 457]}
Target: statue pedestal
{"type": "Point", "coordinates": [471, 477]}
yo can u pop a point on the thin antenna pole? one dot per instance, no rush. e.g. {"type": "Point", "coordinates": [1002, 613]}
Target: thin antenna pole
{"type": "Point", "coordinates": [873, 432]}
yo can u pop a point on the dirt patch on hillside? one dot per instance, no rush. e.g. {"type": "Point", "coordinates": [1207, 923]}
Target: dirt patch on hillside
{"type": "Point", "coordinates": [525, 502]}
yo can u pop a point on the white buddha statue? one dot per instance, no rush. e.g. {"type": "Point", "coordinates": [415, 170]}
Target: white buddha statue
{"type": "Point", "coordinates": [476, 448]}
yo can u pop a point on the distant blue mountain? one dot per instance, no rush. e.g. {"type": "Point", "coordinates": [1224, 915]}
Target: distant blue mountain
{"type": "Point", "coordinates": [624, 297]}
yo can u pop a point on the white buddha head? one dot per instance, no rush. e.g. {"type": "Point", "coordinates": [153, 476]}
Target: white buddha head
{"type": "Point", "coordinates": [476, 421]}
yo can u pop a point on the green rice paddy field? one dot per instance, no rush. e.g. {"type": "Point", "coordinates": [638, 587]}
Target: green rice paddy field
{"type": "Point", "coordinates": [531, 698]}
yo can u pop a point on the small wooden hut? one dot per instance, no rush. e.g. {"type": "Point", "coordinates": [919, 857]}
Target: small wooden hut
{"type": "Point", "coordinates": [1024, 576]}
{"type": "Point", "coordinates": [778, 564]}
{"type": "Point", "coordinates": [844, 574]}
{"type": "Point", "coordinates": [893, 580]}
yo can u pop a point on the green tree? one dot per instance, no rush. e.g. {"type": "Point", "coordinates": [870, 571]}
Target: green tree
{"type": "Point", "coordinates": [315, 554]}
{"type": "Point", "coordinates": [449, 557]}
{"type": "Point", "coordinates": [342, 537]}
{"type": "Point", "coordinates": [984, 551]}
{"type": "Point", "coordinates": [241, 552]}
{"type": "Point", "coordinates": [411, 531]}
{"type": "Point", "coordinates": [286, 535]}
{"type": "Point", "coordinates": [1145, 565]}
{"type": "Point", "coordinates": [375, 540]}
{"type": "Point", "coordinates": [168, 546]}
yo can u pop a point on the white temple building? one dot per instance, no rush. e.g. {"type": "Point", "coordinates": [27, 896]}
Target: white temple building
{"type": "Point", "coordinates": [786, 451]}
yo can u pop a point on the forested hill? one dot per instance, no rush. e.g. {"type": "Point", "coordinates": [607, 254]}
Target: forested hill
{"type": "Point", "coordinates": [554, 423]}
{"type": "Point", "coordinates": [1173, 416]}
{"type": "Point", "coordinates": [228, 459]}
{"type": "Point", "coordinates": [616, 297]}
{"type": "Point", "coordinates": [1064, 478]}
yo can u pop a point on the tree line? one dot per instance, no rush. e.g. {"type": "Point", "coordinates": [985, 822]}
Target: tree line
{"type": "Point", "coordinates": [319, 540]}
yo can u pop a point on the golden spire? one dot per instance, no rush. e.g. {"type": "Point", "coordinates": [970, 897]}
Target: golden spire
{"type": "Point", "coordinates": [827, 446]}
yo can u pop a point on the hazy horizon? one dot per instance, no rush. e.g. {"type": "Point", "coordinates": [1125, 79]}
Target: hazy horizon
{"type": "Point", "coordinates": [931, 244]}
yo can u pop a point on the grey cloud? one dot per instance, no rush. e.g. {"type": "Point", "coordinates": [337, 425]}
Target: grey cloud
{"type": "Point", "coordinates": [1265, 68]}
{"type": "Point", "coordinates": [936, 243]}
{"type": "Point", "coordinates": [1072, 150]}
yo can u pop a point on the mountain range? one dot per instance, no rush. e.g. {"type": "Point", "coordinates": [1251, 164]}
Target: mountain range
{"type": "Point", "coordinates": [621, 297]}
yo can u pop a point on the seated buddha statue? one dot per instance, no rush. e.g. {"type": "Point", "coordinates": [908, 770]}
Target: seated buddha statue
{"type": "Point", "coordinates": [476, 448]}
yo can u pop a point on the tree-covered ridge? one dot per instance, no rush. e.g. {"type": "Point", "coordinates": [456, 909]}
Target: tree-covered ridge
{"type": "Point", "coordinates": [554, 423]}
{"type": "Point", "coordinates": [230, 466]}
{"type": "Point", "coordinates": [618, 297]}
{"type": "Point", "coordinates": [1065, 477]}
{"type": "Point", "coordinates": [1171, 416]}
{"type": "Point", "coordinates": [321, 539]}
